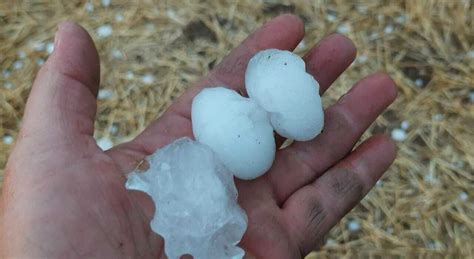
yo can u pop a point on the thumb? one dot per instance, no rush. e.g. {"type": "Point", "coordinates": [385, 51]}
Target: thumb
{"type": "Point", "coordinates": [62, 102]}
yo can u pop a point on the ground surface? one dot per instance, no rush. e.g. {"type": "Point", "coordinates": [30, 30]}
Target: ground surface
{"type": "Point", "coordinates": [424, 204]}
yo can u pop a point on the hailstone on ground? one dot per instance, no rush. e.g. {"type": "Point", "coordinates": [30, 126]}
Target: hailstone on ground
{"type": "Point", "coordinates": [236, 128]}
{"type": "Point", "coordinates": [195, 198]}
{"type": "Point", "coordinates": [278, 81]}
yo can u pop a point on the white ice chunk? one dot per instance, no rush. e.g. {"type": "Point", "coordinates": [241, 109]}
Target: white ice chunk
{"type": "Point", "coordinates": [105, 94]}
{"type": "Point", "coordinates": [196, 209]}
{"type": "Point", "coordinates": [236, 128]}
{"type": "Point", "coordinates": [49, 47]}
{"type": "Point", "coordinates": [105, 143]}
{"type": "Point", "coordinates": [278, 81]}
{"type": "Point", "coordinates": [7, 139]}
{"type": "Point", "coordinates": [399, 134]}
{"type": "Point", "coordinates": [104, 31]}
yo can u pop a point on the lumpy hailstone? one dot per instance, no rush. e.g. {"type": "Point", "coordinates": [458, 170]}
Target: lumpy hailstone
{"type": "Point", "coordinates": [236, 128]}
{"type": "Point", "coordinates": [195, 198]}
{"type": "Point", "coordinates": [278, 81]}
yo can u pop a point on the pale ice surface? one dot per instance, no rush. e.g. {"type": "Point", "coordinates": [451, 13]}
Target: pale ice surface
{"type": "Point", "coordinates": [278, 81]}
{"type": "Point", "coordinates": [236, 128]}
{"type": "Point", "coordinates": [195, 198]}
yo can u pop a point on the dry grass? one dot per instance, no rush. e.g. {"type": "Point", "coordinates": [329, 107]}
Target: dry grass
{"type": "Point", "coordinates": [424, 204]}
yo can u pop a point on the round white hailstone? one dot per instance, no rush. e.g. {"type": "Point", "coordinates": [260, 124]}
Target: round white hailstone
{"type": "Point", "coordinates": [236, 128]}
{"type": "Point", "coordinates": [470, 53]}
{"type": "Point", "coordinates": [471, 96]}
{"type": "Point", "coordinates": [353, 226]}
{"type": "Point", "coordinates": [105, 94]}
{"type": "Point", "coordinates": [278, 81]}
{"type": "Point", "coordinates": [117, 54]}
{"type": "Point", "coordinates": [404, 125]}
{"type": "Point", "coordinates": [39, 61]}
{"type": "Point", "coordinates": [148, 79]}
{"type": "Point", "coordinates": [89, 7]}
{"type": "Point", "coordinates": [49, 47]}
{"type": "Point", "coordinates": [399, 134]}
{"type": "Point", "coordinates": [344, 28]}
{"type": "Point", "coordinates": [8, 85]}
{"type": "Point", "coordinates": [119, 17]}
{"type": "Point", "coordinates": [17, 65]}
{"type": "Point", "coordinates": [104, 31]}
{"type": "Point", "coordinates": [419, 82]}
{"type": "Point", "coordinates": [388, 29]}
{"type": "Point", "coordinates": [7, 139]}
{"type": "Point", "coordinates": [463, 196]}
{"type": "Point", "coordinates": [362, 58]}
{"type": "Point", "coordinates": [6, 73]}
{"type": "Point", "coordinates": [105, 3]}
{"type": "Point", "coordinates": [21, 54]}
{"type": "Point", "coordinates": [129, 75]}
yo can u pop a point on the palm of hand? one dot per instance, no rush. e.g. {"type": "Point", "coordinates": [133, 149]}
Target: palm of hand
{"type": "Point", "coordinates": [69, 195]}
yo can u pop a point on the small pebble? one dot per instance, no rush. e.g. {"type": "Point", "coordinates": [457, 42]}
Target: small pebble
{"type": "Point", "coordinates": [17, 65]}
{"type": "Point", "coordinates": [7, 139]}
{"type": "Point", "coordinates": [463, 196]}
{"type": "Point", "coordinates": [105, 94]}
{"type": "Point", "coordinates": [104, 31]}
{"type": "Point", "coordinates": [404, 125]}
{"type": "Point", "coordinates": [105, 143]}
{"type": "Point", "coordinates": [148, 79]}
{"type": "Point", "coordinates": [399, 135]}
{"type": "Point", "coordinates": [353, 226]}
{"type": "Point", "coordinates": [49, 47]}
{"type": "Point", "coordinates": [344, 28]}
{"type": "Point", "coordinates": [89, 7]}
{"type": "Point", "coordinates": [105, 3]}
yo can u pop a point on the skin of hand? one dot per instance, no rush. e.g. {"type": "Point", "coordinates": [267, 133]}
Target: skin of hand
{"type": "Point", "coordinates": [63, 197]}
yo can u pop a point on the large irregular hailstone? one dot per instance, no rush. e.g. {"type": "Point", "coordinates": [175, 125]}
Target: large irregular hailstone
{"type": "Point", "coordinates": [236, 128]}
{"type": "Point", "coordinates": [278, 81]}
{"type": "Point", "coordinates": [195, 198]}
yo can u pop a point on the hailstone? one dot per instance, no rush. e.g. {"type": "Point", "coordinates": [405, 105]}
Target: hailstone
{"type": "Point", "coordinates": [195, 199]}
{"type": "Point", "coordinates": [278, 82]}
{"type": "Point", "coordinates": [236, 128]}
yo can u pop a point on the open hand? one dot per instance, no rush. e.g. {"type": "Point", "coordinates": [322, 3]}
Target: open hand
{"type": "Point", "coordinates": [63, 197]}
